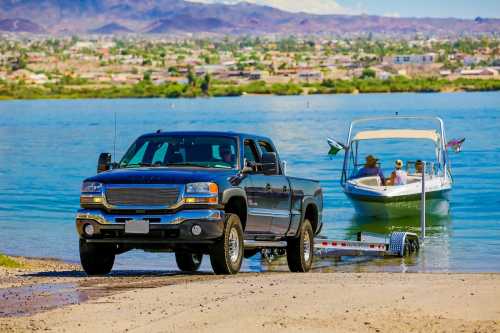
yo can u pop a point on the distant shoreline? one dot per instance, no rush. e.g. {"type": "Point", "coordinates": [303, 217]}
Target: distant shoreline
{"type": "Point", "coordinates": [146, 89]}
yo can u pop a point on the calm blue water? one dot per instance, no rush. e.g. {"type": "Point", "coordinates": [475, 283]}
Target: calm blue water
{"type": "Point", "coordinates": [48, 147]}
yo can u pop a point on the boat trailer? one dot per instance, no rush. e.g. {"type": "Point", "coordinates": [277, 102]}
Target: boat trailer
{"type": "Point", "coordinates": [397, 243]}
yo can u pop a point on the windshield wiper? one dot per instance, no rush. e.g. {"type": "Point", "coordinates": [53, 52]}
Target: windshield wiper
{"type": "Point", "coordinates": [138, 165]}
{"type": "Point", "coordinates": [187, 164]}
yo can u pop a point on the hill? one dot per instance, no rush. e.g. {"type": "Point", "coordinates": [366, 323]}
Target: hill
{"type": "Point", "coordinates": [178, 16]}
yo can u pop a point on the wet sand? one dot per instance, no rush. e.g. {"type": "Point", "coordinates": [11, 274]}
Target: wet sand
{"type": "Point", "coordinates": [56, 296]}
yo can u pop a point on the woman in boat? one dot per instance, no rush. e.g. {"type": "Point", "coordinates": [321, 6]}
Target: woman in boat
{"type": "Point", "coordinates": [371, 169]}
{"type": "Point", "coordinates": [398, 176]}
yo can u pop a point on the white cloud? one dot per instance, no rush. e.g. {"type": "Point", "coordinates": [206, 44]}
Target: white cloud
{"type": "Point", "coordinates": [309, 6]}
{"type": "Point", "coordinates": [392, 14]}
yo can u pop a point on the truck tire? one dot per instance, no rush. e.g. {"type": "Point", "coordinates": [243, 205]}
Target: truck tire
{"type": "Point", "coordinates": [96, 259]}
{"type": "Point", "coordinates": [226, 254]}
{"type": "Point", "coordinates": [300, 250]}
{"type": "Point", "coordinates": [188, 262]}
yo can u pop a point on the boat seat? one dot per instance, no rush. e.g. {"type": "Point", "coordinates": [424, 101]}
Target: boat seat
{"type": "Point", "coordinates": [370, 181]}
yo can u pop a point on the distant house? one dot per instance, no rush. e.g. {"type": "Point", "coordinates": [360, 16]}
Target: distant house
{"type": "Point", "coordinates": [37, 79]}
{"type": "Point", "coordinates": [310, 75]}
{"type": "Point", "coordinates": [411, 59]}
{"type": "Point", "coordinates": [83, 45]}
{"type": "Point", "coordinates": [479, 72]}
{"type": "Point", "coordinates": [36, 57]}
{"type": "Point", "coordinates": [383, 75]}
{"type": "Point", "coordinates": [286, 72]}
{"type": "Point", "coordinates": [210, 69]}
{"type": "Point", "coordinates": [124, 78]}
{"type": "Point", "coordinates": [258, 75]}
{"type": "Point", "coordinates": [471, 60]}
{"type": "Point", "coordinates": [20, 74]}
{"type": "Point", "coordinates": [445, 72]}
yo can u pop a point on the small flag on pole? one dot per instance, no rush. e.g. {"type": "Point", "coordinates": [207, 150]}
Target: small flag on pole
{"type": "Point", "coordinates": [335, 147]}
{"type": "Point", "coordinates": [455, 144]}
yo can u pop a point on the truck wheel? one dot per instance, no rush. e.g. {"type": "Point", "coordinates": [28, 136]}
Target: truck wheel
{"type": "Point", "coordinates": [188, 262]}
{"type": "Point", "coordinates": [227, 254]}
{"type": "Point", "coordinates": [96, 259]}
{"type": "Point", "coordinates": [300, 250]}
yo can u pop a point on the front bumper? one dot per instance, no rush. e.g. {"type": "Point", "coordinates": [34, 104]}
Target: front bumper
{"type": "Point", "coordinates": [172, 228]}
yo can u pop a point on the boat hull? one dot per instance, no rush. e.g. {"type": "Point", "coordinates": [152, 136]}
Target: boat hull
{"type": "Point", "coordinates": [437, 203]}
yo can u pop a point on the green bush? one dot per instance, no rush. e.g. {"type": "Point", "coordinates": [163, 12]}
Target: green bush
{"type": "Point", "coordinates": [8, 262]}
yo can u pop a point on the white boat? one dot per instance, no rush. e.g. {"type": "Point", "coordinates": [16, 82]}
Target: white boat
{"type": "Point", "coordinates": [370, 196]}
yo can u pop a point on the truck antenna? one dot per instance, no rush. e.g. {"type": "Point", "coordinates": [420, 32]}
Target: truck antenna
{"type": "Point", "coordinates": [114, 139]}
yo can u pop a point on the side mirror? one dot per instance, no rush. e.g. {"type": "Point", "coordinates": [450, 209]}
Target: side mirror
{"type": "Point", "coordinates": [104, 162]}
{"type": "Point", "coordinates": [270, 163]}
{"type": "Point", "coordinates": [246, 170]}
{"type": "Point", "coordinates": [283, 167]}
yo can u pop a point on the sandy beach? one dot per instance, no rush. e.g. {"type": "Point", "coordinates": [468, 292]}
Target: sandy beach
{"type": "Point", "coordinates": [56, 296]}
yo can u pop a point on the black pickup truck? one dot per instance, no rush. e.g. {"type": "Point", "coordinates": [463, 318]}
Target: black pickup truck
{"type": "Point", "coordinates": [218, 193]}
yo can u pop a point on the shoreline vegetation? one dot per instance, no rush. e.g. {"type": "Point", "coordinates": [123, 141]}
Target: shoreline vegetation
{"type": "Point", "coordinates": [8, 262]}
{"type": "Point", "coordinates": [206, 87]}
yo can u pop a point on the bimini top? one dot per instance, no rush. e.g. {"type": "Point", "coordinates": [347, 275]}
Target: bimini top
{"type": "Point", "coordinates": [397, 134]}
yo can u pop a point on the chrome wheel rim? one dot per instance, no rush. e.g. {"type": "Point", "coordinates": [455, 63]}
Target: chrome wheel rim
{"type": "Point", "coordinates": [234, 245]}
{"type": "Point", "coordinates": [307, 247]}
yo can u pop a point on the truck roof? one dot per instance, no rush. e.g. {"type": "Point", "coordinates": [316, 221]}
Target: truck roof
{"type": "Point", "coordinates": [209, 133]}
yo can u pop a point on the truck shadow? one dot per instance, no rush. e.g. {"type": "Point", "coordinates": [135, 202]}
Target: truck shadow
{"type": "Point", "coordinates": [116, 273]}
{"type": "Point", "coordinates": [48, 290]}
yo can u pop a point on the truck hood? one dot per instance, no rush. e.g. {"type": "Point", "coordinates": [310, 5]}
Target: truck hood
{"type": "Point", "coordinates": [161, 176]}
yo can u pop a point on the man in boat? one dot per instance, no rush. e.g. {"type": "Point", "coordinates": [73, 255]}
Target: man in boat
{"type": "Point", "coordinates": [419, 167]}
{"type": "Point", "coordinates": [371, 169]}
{"type": "Point", "coordinates": [398, 176]}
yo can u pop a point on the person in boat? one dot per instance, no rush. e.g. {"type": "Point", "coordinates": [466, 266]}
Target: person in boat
{"type": "Point", "coordinates": [398, 176]}
{"type": "Point", "coordinates": [419, 167]}
{"type": "Point", "coordinates": [371, 169]}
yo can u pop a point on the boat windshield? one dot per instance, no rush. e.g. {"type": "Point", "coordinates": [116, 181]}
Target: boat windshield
{"type": "Point", "coordinates": [182, 151]}
{"type": "Point", "coordinates": [390, 138]}
{"type": "Point", "coordinates": [387, 151]}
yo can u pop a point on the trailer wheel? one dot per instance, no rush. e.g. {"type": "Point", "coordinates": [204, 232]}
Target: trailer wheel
{"type": "Point", "coordinates": [300, 250]}
{"type": "Point", "coordinates": [188, 262]}
{"type": "Point", "coordinates": [226, 254]}
{"type": "Point", "coordinates": [96, 259]}
{"type": "Point", "coordinates": [411, 246]}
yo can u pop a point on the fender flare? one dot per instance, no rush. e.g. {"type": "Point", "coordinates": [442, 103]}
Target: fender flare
{"type": "Point", "coordinates": [306, 201]}
{"type": "Point", "coordinates": [233, 192]}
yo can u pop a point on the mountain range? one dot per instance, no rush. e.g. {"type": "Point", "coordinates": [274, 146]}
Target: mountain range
{"type": "Point", "coordinates": [179, 17]}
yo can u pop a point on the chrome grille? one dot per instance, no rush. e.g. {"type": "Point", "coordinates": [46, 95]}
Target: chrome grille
{"type": "Point", "coordinates": [135, 196]}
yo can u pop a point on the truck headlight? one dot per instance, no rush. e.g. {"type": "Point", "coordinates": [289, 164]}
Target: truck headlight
{"type": "Point", "coordinates": [91, 187]}
{"type": "Point", "coordinates": [201, 193]}
{"type": "Point", "coordinates": [91, 194]}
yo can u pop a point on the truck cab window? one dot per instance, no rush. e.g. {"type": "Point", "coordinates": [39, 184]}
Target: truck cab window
{"type": "Point", "coordinates": [250, 154]}
{"type": "Point", "coordinates": [265, 147]}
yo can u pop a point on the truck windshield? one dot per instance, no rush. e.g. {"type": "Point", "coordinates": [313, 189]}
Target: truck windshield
{"type": "Point", "coordinates": [197, 151]}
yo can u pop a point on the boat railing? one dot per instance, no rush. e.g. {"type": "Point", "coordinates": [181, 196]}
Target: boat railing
{"type": "Point", "coordinates": [416, 167]}
{"type": "Point", "coordinates": [431, 168]}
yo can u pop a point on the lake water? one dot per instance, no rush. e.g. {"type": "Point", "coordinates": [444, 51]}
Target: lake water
{"type": "Point", "coordinates": [48, 147]}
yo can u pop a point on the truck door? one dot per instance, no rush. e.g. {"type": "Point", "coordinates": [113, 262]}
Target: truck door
{"type": "Point", "coordinates": [280, 193]}
{"type": "Point", "coordinates": [258, 194]}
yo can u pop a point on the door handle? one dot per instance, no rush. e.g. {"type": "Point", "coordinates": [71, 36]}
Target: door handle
{"type": "Point", "coordinates": [268, 187]}
{"type": "Point", "coordinates": [285, 189]}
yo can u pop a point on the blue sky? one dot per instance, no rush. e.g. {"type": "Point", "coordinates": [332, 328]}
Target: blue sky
{"type": "Point", "coordinates": [403, 8]}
